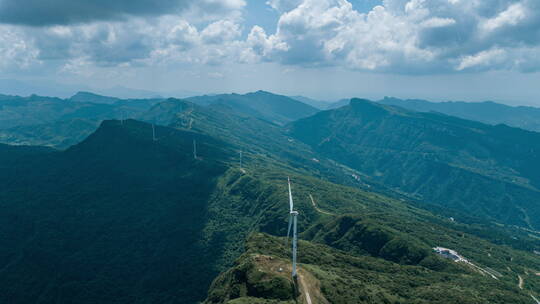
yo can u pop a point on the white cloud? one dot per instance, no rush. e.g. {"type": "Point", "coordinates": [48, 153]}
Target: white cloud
{"type": "Point", "coordinates": [220, 32]}
{"type": "Point", "coordinates": [15, 51]}
{"type": "Point", "coordinates": [399, 36]}
{"type": "Point", "coordinates": [513, 15]}
{"type": "Point", "coordinates": [405, 36]}
{"type": "Point", "coordinates": [283, 5]}
{"type": "Point", "coordinates": [482, 59]}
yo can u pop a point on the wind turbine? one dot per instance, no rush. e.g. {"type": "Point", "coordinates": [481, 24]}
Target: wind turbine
{"type": "Point", "coordinates": [292, 222]}
{"type": "Point", "coordinates": [194, 149]}
{"type": "Point", "coordinates": [154, 132]}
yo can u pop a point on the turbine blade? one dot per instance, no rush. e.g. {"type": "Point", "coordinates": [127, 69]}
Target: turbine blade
{"type": "Point", "coordinates": [291, 204]}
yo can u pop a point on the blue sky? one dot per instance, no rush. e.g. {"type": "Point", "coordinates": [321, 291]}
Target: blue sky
{"type": "Point", "coordinates": [468, 50]}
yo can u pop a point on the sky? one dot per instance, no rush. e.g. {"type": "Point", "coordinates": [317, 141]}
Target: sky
{"type": "Point", "coordinates": [471, 50]}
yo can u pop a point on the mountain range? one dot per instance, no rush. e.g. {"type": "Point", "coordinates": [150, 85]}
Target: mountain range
{"type": "Point", "coordinates": [277, 109]}
{"type": "Point", "coordinates": [162, 209]}
{"type": "Point", "coordinates": [465, 165]}
{"type": "Point", "coordinates": [488, 112]}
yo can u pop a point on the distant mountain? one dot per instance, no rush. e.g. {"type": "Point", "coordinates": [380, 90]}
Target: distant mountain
{"type": "Point", "coordinates": [57, 122]}
{"type": "Point", "coordinates": [123, 217]}
{"type": "Point", "coordinates": [27, 88]}
{"type": "Point", "coordinates": [277, 109]}
{"type": "Point", "coordinates": [61, 134]}
{"type": "Point", "coordinates": [129, 93]}
{"type": "Point", "coordinates": [487, 112]}
{"type": "Point", "coordinates": [319, 104]}
{"type": "Point", "coordinates": [338, 104]}
{"type": "Point", "coordinates": [491, 171]}
{"type": "Point", "coordinates": [93, 98]}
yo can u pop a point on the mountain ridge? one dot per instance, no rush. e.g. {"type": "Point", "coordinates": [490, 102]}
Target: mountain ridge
{"type": "Point", "coordinates": [391, 144]}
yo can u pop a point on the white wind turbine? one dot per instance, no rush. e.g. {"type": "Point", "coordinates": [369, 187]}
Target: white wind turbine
{"type": "Point", "coordinates": [292, 222]}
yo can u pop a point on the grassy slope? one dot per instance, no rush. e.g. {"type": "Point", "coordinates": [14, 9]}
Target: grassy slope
{"type": "Point", "coordinates": [382, 254]}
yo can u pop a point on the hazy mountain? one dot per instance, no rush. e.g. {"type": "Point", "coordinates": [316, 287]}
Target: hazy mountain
{"type": "Point", "coordinates": [129, 93]}
{"type": "Point", "coordinates": [57, 122]}
{"type": "Point", "coordinates": [93, 98]}
{"type": "Point", "coordinates": [274, 108]}
{"type": "Point", "coordinates": [483, 169]}
{"type": "Point", "coordinates": [27, 88]}
{"type": "Point", "coordinates": [319, 104]}
{"type": "Point", "coordinates": [61, 134]}
{"type": "Point", "coordinates": [338, 104]}
{"type": "Point", "coordinates": [487, 112]}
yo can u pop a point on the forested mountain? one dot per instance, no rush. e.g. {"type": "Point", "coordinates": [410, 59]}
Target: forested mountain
{"type": "Point", "coordinates": [93, 98]}
{"type": "Point", "coordinates": [61, 134]}
{"type": "Point", "coordinates": [487, 112]}
{"type": "Point", "coordinates": [277, 109]}
{"type": "Point", "coordinates": [137, 213]}
{"type": "Point", "coordinates": [60, 123]}
{"type": "Point", "coordinates": [338, 104]}
{"type": "Point", "coordinates": [485, 170]}
{"type": "Point", "coordinates": [319, 104]}
{"type": "Point", "coordinates": [111, 220]}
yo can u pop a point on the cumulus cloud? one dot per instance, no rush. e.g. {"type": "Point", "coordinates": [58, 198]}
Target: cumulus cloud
{"type": "Point", "coordinates": [62, 12]}
{"type": "Point", "coordinates": [283, 5]}
{"type": "Point", "coordinates": [398, 36]}
{"type": "Point", "coordinates": [118, 33]}
{"type": "Point", "coordinates": [15, 51]}
{"type": "Point", "coordinates": [406, 36]}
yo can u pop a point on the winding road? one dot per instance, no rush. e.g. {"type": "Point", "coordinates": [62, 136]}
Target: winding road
{"type": "Point", "coordinates": [317, 208]}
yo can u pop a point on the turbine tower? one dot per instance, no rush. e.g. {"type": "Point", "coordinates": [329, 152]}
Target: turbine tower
{"type": "Point", "coordinates": [241, 167]}
{"type": "Point", "coordinates": [293, 215]}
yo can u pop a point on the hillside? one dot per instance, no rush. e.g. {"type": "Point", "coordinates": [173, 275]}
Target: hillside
{"type": "Point", "coordinates": [62, 134]}
{"type": "Point", "coordinates": [112, 217]}
{"type": "Point", "coordinates": [123, 218]}
{"type": "Point", "coordinates": [527, 118]}
{"type": "Point", "coordinates": [328, 275]}
{"type": "Point", "coordinates": [60, 123]}
{"type": "Point", "coordinates": [273, 108]}
{"type": "Point", "coordinates": [484, 170]}
{"type": "Point", "coordinates": [266, 146]}
{"type": "Point", "coordinates": [93, 98]}
{"type": "Point", "coordinates": [372, 249]}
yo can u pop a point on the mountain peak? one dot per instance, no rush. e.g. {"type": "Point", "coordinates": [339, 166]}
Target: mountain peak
{"type": "Point", "coordinates": [368, 107]}
{"type": "Point", "coordinates": [83, 96]}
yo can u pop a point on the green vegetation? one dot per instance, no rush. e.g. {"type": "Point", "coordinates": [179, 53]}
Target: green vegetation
{"type": "Point", "coordinates": [121, 218]}
{"type": "Point", "coordinates": [61, 123]}
{"type": "Point", "coordinates": [276, 109]}
{"type": "Point", "coordinates": [527, 118]}
{"type": "Point", "coordinates": [349, 278]}
{"type": "Point", "coordinates": [487, 171]}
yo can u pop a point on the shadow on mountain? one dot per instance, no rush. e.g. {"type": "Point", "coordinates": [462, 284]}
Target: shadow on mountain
{"type": "Point", "coordinates": [115, 219]}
